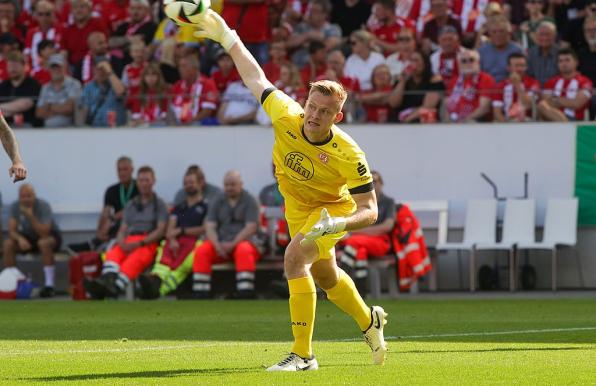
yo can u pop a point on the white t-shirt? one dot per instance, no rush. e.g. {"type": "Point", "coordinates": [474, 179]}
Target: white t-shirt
{"type": "Point", "coordinates": [361, 69]}
{"type": "Point", "coordinates": [396, 65]}
{"type": "Point", "coordinates": [240, 100]}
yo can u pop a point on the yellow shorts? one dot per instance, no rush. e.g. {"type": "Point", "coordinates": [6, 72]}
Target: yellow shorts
{"type": "Point", "coordinates": [301, 219]}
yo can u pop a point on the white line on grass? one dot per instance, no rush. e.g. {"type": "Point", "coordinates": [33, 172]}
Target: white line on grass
{"type": "Point", "coordinates": [486, 333]}
{"type": "Point", "coordinates": [204, 345]}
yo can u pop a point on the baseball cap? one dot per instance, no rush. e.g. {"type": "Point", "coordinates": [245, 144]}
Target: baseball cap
{"type": "Point", "coordinates": [447, 29]}
{"type": "Point", "coordinates": [56, 60]}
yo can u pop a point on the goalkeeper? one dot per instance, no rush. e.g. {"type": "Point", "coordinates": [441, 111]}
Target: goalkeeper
{"type": "Point", "coordinates": [327, 186]}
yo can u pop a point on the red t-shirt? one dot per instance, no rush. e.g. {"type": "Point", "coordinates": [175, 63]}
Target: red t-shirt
{"type": "Point", "coordinates": [569, 88]}
{"type": "Point", "coordinates": [131, 78]}
{"type": "Point", "coordinates": [446, 66]}
{"type": "Point", "coordinates": [377, 113]}
{"type": "Point", "coordinates": [74, 39]}
{"type": "Point", "coordinates": [190, 98]}
{"type": "Point", "coordinates": [3, 70]}
{"type": "Point", "coordinates": [153, 108]}
{"type": "Point", "coordinates": [272, 71]}
{"type": "Point", "coordinates": [112, 13]}
{"type": "Point", "coordinates": [221, 81]}
{"type": "Point", "coordinates": [41, 75]}
{"type": "Point", "coordinates": [305, 73]}
{"type": "Point", "coordinates": [465, 93]}
{"type": "Point", "coordinates": [251, 21]}
{"type": "Point", "coordinates": [507, 99]}
{"type": "Point", "coordinates": [389, 33]}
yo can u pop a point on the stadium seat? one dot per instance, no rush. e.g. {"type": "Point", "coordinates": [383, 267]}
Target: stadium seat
{"type": "Point", "coordinates": [560, 229]}
{"type": "Point", "coordinates": [479, 227]}
{"type": "Point", "coordinates": [518, 228]}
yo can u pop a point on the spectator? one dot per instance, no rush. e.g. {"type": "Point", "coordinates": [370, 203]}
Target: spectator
{"type": "Point", "coordinates": [226, 71]}
{"type": "Point", "coordinates": [112, 13]}
{"type": "Point", "coordinates": [417, 91]}
{"type": "Point", "coordinates": [494, 53]}
{"type": "Point", "coordinates": [114, 200]}
{"type": "Point", "coordinates": [444, 60]}
{"type": "Point", "coordinates": [74, 39]}
{"type": "Point", "coordinates": [566, 96]}
{"type": "Point", "coordinates": [317, 62]}
{"type": "Point", "coordinates": [314, 28]}
{"type": "Point", "coordinates": [565, 12]}
{"type": "Point", "coordinates": [251, 21]}
{"type": "Point", "coordinates": [139, 25]}
{"type": "Point", "coordinates": [102, 103]}
{"type": "Point", "coordinates": [131, 74]}
{"type": "Point", "coordinates": [32, 228]}
{"type": "Point", "coordinates": [278, 55]}
{"type": "Point", "coordinates": [441, 17]}
{"type": "Point", "coordinates": [175, 257]}
{"type": "Point", "coordinates": [48, 29]}
{"type": "Point", "coordinates": [210, 192]}
{"type": "Point", "coordinates": [230, 229]}
{"type": "Point", "coordinates": [574, 35]}
{"type": "Point", "coordinates": [290, 82]}
{"type": "Point", "coordinates": [41, 73]}
{"type": "Point", "coordinates": [8, 44]}
{"type": "Point", "coordinates": [150, 106]}
{"type": "Point", "coordinates": [18, 93]}
{"type": "Point", "coordinates": [195, 95]}
{"type": "Point", "coordinates": [270, 197]}
{"type": "Point", "coordinates": [58, 98]}
{"type": "Point", "coordinates": [526, 33]}
{"type": "Point", "coordinates": [387, 27]}
{"type": "Point", "coordinates": [350, 15]}
{"type": "Point", "coordinates": [180, 34]}
{"type": "Point", "coordinates": [143, 225]}
{"type": "Point", "coordinates": [542, 58]}
{"type": "Point", "coordinates": [516, 94]}
{"type": "Point", "coordinates": [170, 54]}
{"type": "Point", "coordinates": [361, 63]}
{"type": "Point", "coordinates": [336, 62]}
{"type": "Point", "coordinates": [399, 61]}
{"type": "Point", "coordinates": [238, 105]}
{"type": "Point", "coordinates": [98, 47]}
{"type": "Point", "coordinates": [374, 100]}
{"type": "Point", "coordinates": [370, 242]}
{"type": "Point", "coordinates": [470, 94]}
{"type": "Point", "coordinates": [587, 55]}
{"type": "Point", "coordinates": [8, 16]}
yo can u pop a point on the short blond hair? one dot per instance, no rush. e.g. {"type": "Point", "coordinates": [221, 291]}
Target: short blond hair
{"type": "Point", "coordinates": [330, 88]}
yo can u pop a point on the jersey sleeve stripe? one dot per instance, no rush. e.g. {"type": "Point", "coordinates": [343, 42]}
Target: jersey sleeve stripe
{"type": "Point", "coordinates": [362, 188]}
{"type": "Point", "coordinates": [266, 93]}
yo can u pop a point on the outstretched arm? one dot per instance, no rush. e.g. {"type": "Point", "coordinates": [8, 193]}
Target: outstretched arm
{"type": "Point", "coordinates": [214, 27]}
{"type": "Point", "coordinates": [11, 146]}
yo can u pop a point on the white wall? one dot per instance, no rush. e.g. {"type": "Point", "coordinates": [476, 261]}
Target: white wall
{"type": "Point", "coordinates": [72, 167]}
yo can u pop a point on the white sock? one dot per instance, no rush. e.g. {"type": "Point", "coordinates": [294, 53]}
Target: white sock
{"type": "Point", "coordinates": [48, 271]}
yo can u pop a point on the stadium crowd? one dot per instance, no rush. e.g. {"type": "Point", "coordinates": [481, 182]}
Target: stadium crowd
{"type": "Point", "coordinates": [107, 63]}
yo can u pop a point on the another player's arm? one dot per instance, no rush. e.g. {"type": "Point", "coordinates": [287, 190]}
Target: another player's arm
{"type": "Point", "coordinates": [215, 28]}
{"type": "Point", "coordinates": [11, 146]}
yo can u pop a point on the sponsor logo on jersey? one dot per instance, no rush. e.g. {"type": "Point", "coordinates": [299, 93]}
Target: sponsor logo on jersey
{"type": "Point", "coordinates": [361, 169]}
{"type": "Point", "coordinates": [301, 166]}
{"type": "Point", "coordinates": [291, 134]}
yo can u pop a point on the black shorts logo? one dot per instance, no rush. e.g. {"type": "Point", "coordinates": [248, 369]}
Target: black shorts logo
{"type": "Point", "coordinates": [301, 166]}
{"type": "Point", "coordinates": [361, 169]}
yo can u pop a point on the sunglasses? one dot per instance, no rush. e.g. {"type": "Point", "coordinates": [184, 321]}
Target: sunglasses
{"type": "Point", "coordinates": [467, 60]}
{"type": "Point", "coordinates": [44, 13]}
{"type": "Point", "coordinates": [404, 38]}
{"type": "Point", "coordinates": [353, 42]}
{"type": "Point", "coordinates": [534, 1]}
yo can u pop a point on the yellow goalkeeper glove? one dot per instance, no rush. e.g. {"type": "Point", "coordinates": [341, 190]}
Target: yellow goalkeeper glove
{"type": "Point", "coordinates": [215, 28]}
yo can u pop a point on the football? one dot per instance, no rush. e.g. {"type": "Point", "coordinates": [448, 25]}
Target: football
{"type": "Point", "coordinates": [182, 11]}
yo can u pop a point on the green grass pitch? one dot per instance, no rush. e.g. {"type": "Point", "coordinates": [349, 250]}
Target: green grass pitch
{"type": "Point", "coordinates": [432, 342]}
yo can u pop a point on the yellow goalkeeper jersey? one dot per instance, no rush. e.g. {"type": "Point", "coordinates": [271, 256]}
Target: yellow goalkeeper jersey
{"type": "Point", "coordinates": [313, 174]}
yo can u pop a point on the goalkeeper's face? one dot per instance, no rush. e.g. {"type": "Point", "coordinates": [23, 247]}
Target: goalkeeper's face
{"type": "Point", "coordinates": [320, 113]}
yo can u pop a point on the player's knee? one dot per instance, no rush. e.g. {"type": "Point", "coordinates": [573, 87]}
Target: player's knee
{"type": "Point", "coordinates": [45, 243]}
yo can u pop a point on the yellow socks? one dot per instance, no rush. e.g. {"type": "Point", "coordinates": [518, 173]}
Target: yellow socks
{"type": "Point", "coordinates": [345, 295]}
{"type": "Point", "coordinates": [303, 302]}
